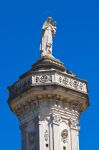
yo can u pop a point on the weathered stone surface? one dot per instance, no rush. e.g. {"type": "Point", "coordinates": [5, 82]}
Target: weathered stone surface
{"type": "Point", "coordinates": [48, 100]}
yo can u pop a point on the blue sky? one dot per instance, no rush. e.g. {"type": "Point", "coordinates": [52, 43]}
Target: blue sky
{"type": "Point", "coordinates": [76, 44]}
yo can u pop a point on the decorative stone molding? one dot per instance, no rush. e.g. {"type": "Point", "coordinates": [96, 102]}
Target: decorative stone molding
{"type": "Point", "coordinates": [44, 78]}
{"type": "Point", "coordinates": [70, 82]}
{"type": "Point", "coordinates": [75, 124]}
{"type": "Point", "coordinates": [46, 135]}
{"type": "Point", "coordinates": [61, 79]}
{"type": "Point", "coordinates": [48, 78]}
{"type": "Point", "coordinates": [56, 119]}
{"type": "Point", "coordinates": [64, 136]}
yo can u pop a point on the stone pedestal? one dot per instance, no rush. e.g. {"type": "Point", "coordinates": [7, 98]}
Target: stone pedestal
{"type": "Point", "coordinates": [48, 100]}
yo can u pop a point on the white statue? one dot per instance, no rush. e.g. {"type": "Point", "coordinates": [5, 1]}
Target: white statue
{"type": "Point", "coordinates": [48, 33]}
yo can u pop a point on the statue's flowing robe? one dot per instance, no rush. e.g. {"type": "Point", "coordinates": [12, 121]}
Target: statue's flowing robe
{"type": "Point", "coordinates": [46, 39]}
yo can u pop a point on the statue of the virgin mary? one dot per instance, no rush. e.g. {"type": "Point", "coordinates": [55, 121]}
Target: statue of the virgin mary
{"type": "Point", "coordinates": [48, 32]}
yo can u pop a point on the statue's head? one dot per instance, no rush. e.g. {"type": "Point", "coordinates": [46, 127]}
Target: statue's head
{"type": "Point", "coordinates": [49, 20]}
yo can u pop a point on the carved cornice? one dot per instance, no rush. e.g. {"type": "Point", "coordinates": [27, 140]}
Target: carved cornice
{"type": "Point", "coordinates": [45, 78]}
{"type": "Point", "coordinates": [56, 101]}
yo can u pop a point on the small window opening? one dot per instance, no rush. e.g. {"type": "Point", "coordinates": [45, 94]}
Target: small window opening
{"type": "Point", "coordinates": [64, 148]}
{"type": "Point", "coordinates": [46, 145]}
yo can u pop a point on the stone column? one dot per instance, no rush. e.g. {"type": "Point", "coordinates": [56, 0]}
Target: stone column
{"type": "Point", "coordinates": [56, 132]}
{"type": "Point", "coordinates": [74, 136]}
{"type": "Point", "coordinates": [23, 136]}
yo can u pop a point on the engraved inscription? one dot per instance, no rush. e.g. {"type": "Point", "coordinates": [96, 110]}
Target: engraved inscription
{"type": "Point", "coordinates": [72, 83]}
